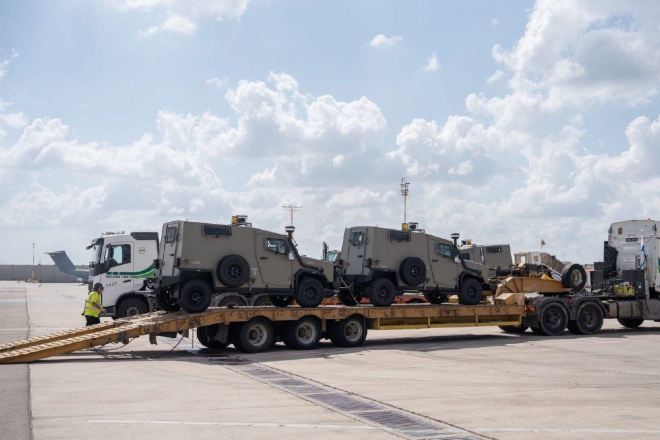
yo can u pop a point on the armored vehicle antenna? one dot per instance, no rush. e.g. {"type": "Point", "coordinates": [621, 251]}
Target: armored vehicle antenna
{"type": "Point", "coordinates": [404, 193]}
{"type": "Point", "coordinates": [292, 209]}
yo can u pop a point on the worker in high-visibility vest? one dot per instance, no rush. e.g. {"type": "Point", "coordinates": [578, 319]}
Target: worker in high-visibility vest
{"type": "Point", "coordinates": [93, 305]}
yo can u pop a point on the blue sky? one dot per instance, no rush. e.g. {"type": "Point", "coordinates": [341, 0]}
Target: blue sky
{"type": "Point", "coordinates": [143, 111]}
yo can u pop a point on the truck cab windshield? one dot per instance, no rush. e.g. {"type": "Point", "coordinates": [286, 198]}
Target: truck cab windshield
{"type": "Point", "coordinates": [97, 252]}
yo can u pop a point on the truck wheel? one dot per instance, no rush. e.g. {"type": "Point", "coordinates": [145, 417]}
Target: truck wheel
{"type": "Point", "coordinates": [349, 332]}
{"type": "Point", "coordinates": [253, 336]}
{"type": "Point", "coordinates": [303, 334]}
{"type": "Point", "coordinates": [232, 300]}
{"type": "Point", "coordinates": [470, 293]}
{"type": "Point", "coordinates": [263, 300]}
{"type": "Point", "coordinates": [195, 296]}
{"type": "Point", "coordinates": [382, 293]}
{"type": "Point", "coordinates": [166, 302]}
{"type": "Point", "coordinates": [538, 331]}
{"type": "Point", "coordinates": [573, 328]}
{"type": "Point", "coordinates": [574, 277]}
{"type": "Point", "coordinates": [309, 293]}
{"type": "Point", "coordinates": [554, 319]}
{"type": "Point", "coordinates": [132, 307]}
{"type": "Point", "coordinates": [412, 271]}
{"type": "Point", "coordinates": [589, 318]}
{"type": "Point", "coordinates": [435, 298]}
{"type": "Point", "coordinates": [350, 299]}
{"type": "Point", "coordinates": [513, 328]}
{"type": "Point", "coordinates": [206, 337]}
{"type": "Point", "coordinates": [281, 300]}
{"type": "Point", "coordinates": [233, 270]}
{"type": "Point", "coordinates": [630, 322]}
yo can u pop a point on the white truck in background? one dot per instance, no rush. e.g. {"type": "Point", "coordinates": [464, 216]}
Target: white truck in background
{"type": "Point", "coordinates": [122, 263]}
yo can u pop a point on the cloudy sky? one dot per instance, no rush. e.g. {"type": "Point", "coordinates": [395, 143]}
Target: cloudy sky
{"type": "Point", "coordinates": [512, 121]}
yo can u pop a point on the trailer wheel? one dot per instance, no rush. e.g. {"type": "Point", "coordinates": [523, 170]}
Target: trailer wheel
{"type": "Point", "coordinates": [573, 328]}
{"type": "Point", "coordinates": [195, 296]}
{"type": "Point", "coordinates": [132, 307]}
{"type": "Point", "coordinates": [350, 299]}
{"type": "Point", "coordinates": [435, 298]}
{"type": "Point", "coordinates": [382, 293]}
{"type": "Point", "coordinates": [263, 300]}
{"type": "Point", "coordinates": [538, 331]}
{"type": "Point", "coordinates": [574, 277]}
{"type": "Point", "coordinates": [412, 271]}
{"type": "Point", "coordinates": [309, 293]}
{"type": "Point", "coordinates": [233, 270]}
{"type": "Point", "coordinates": [303, 334]}
{"type": "Point", "coordinates": [630, 322]}
{"type": "Point", "coordinates": [253, 336]}
{"type": "Point", "coordinates": [232, 300]}
{"type": "Point", "coordinates": [514, 328]}
{"type": "Point", "coordinates": [589, 318]}
{"type": "Point", "coordinates": [470, 292]}
{"type": "Point", "coordinates": [349, 332]}
{"type": "Point", "coordinates": [206, 336]}
{"type": "Point", "coordinates": [165, 302]}
{"type": "Point", "coordinates": [281, 300]}
{"type": "Point", "coordinates": [554, 319]}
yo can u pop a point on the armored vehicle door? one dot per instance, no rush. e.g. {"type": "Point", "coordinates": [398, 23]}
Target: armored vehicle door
{"type": "Point", "coordinates": [275, 264]}
{"type": "Point", "coordinates": [443, 266]}
{"type": "Point", "coordinates": [168, 248]}
{"type": "Point", "coordinates": [356, 249]}
{"type": "Point", "coordinates": [118, 278]}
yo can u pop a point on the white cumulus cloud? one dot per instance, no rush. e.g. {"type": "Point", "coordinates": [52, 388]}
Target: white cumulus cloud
{"type": "Point", "coordinates": [431, 64]}
{"type": "Point", "coordinates": [382, 41]}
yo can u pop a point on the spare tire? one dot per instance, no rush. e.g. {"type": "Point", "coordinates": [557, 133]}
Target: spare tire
{"type": "Point", "coordinates": [574, 277]}
{"type": "Point", "coordinates": [412, 271]}
{"type": "Point", "coordinates": [233, 270]}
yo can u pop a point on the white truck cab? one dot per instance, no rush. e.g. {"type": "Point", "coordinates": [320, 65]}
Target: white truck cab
{"type": "Point", "coordinates": [624, 245]}
{"type": "Point", "coordinates": [122, 263]}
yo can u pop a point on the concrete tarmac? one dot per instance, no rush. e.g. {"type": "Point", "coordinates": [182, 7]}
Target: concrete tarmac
{"type": "Point", "coordinates": [435, 383]}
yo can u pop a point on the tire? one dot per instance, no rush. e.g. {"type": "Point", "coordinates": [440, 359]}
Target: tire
{"type": "Point", "coordinates": [309, 293]}
{"type": "Point", "coordinates": [589, 318]}
{"type": "Point", "coordinates": [349, 299]}
{"type": "Point", "coordinates": [232, 300]}
{"type": "Point", "coordinates": [415, 301]}
{"type": "Point", "coordinates": [349, 332]}
{"type": "Point", "coordinates": [206, 337]}
{"type": "Point", "coordinates": [470, 292]}
{"type": "Point", "coordinates": [132, 307]}
{"type": "Point", "coordinates": [281, 300]}
{"type": "Point", "coordinates": [514, 328]}
{"type": "Point", "coordinates": [233, 270]}
{"type": "Point", "coordinates": [412, 271]}
{"type": "Point", "coordinates": [167, 303]}
{"type": "Point", "coordinates": [303, 334]}
{"type": "Point", "coordinates": [254, 336]}
{"type": "Point", "coordinates": [574, 277]}
{"type": "Point", "coordinates": [435, 298]}
{"type": "Point", "coordinates": [382, 293]}
{"type": "Point", "coordinates": [554, 319]}
{"type": "Point", "coordinates": [195, 296]}
{"type": "Point", "coordinates": [538, 331]}
{"type": "Point", "coordinates": [573, 328]}
{"type": "Point", "coordinates": [263, 300]}
{"type": "Point", "coordinates": [630, 322]}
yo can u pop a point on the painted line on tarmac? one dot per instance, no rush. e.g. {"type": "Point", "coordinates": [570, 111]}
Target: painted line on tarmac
{"type": "Point", "coordinates": [242, 424]}
{"type": "Point", "coordinates": [570, 430]}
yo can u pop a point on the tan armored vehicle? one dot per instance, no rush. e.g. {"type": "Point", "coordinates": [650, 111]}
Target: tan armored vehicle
{"type": "Point", "coordinates": [496, 256]}
{"type": "Point", "coordinates": [381, 263]}
{"type": "Point", "coordinates": [198, 260]}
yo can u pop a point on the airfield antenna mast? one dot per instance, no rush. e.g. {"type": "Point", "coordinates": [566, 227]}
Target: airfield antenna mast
{"type": "Point", "coordinates": [292, 209]}
{"type": "Point", "coordinates": [404, 193]}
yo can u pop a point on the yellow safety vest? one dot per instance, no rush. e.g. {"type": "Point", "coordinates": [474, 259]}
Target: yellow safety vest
{"type": "Point", "coordinates": [90, 310]}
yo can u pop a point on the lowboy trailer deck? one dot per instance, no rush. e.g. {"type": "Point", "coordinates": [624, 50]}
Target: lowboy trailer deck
{"type": "Point", "coordinates": [253, 329]}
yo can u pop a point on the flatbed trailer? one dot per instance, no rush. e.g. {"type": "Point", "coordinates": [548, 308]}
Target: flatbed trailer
{"type": "Point", "coordinates": [254, 329]}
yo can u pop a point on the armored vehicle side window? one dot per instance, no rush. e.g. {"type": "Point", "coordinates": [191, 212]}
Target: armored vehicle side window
{"type": "Point", "coordinates": [170, 234]}
{"type": "Point", "coordinates": [444, 250]}
{"type": "Point", "coordinates": [466, 256]}
{"type": "Point", "coordinates": [216, 231]}
{"type": "Point", "coordinates": [356, 238]}
{"type": "Point", "coordinates": [276, 245]}
{"type": "Point", "coordinates": [400, 235]}
{"type": "Point", "coordinates": [494, 249]}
